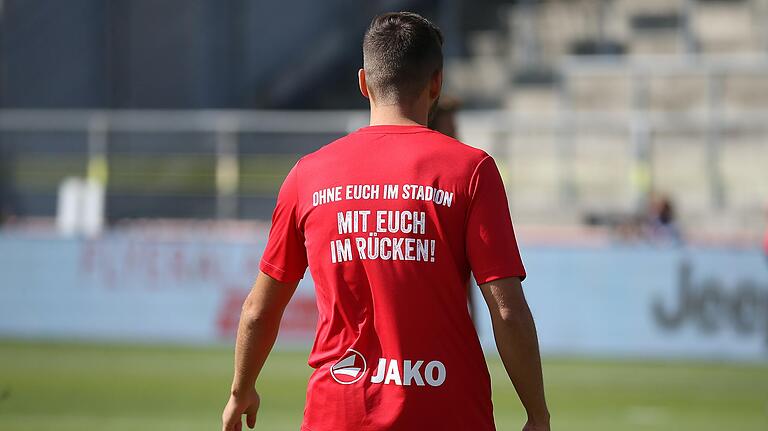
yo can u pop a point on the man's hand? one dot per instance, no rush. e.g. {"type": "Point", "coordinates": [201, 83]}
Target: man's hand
{"type": "Point", "coordinates": [237, 406]}
{"type": "Point", "coordinates": [256, 333]}
{"type": "Point", "coordinates": [535, 427]}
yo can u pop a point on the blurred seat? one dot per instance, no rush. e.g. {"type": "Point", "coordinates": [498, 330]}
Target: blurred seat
{"type": "Point", "coordinates": [726, 27]}
{"type": "Point", "coordinates": [686, 92]}
{"type": "Point", "coordinates": [679, 169]}
{"type": "Point", "coordinates": [602, 168]}
{"type": "Point", "coordinates": [530, 171]}
{"type": "Point", "coordinates": [599, 91]}
{"type": "Point", "coordinates": [744, 169]}
{"type": "Point", "coordinates": [745, 91]}
{"type": "Point", "coordinates": [534, 90]}
{"type": "Point", "coordinates": [537, 99]}
{"type": "Point", "coordinates": [657, 33]}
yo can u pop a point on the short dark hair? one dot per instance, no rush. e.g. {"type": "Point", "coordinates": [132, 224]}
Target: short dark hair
{"type": "Point", "coordinates": [401, 52]}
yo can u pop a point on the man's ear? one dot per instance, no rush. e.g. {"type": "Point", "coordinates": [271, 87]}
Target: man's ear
{"type": "Point", "coordinates": [362, 84]}
{"type": "Point", "coordinates": [436, 84]}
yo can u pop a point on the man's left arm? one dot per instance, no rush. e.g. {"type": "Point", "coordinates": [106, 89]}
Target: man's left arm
{"type": "Point", "coordinates": [256, 334]}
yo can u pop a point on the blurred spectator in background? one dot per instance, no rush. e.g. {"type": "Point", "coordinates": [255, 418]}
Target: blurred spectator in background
{"type": "Point", "coordinates": [443, 118]}
{"type": "Point", "coordinates": [656, 221]}
{"type": "Point", "coordinates": [662, 220]}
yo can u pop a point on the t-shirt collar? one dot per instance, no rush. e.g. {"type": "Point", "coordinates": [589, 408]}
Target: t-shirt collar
{"type": "Point", "coordinates": [393, 128]}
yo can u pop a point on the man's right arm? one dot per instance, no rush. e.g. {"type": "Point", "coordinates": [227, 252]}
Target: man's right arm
{"type": "Point", "coordinates": [518, 346]}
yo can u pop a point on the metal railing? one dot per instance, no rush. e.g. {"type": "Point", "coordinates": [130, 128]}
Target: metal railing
{"type": "Point", "coordinates": [224, 128]}
{"type": "Point", "coordinates": [504, 134]}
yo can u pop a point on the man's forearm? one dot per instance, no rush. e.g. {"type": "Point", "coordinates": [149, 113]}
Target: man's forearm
{"type": "Point", "coordinates": [518, 347]}
{"type": "Point", "coordinates": [255, 337]}
{"type": "Point", "coordinates": [258, 328]}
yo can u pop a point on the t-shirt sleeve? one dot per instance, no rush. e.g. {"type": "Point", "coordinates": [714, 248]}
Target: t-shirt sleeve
{"type": "Point", "coordinates": [490, 239]}
{"type": "Point", "coordinates": [285, 257]}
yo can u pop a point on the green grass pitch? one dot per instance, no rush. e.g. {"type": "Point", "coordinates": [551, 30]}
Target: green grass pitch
{"type": "Point", "coordinates": [77, 386]}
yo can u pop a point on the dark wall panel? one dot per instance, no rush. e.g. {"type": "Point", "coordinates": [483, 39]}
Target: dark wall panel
{"type": "Point", "coordinates": [185, 54]}
{"type": "Point", "coordinates": [173, 53]}
{"type": "Point", "coordinates": [54, 54]}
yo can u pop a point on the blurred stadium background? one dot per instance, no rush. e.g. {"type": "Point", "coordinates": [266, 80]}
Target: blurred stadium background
{"type": "Point", "coordinates": [142, 143]}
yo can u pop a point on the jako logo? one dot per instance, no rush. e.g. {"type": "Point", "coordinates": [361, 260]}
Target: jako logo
{"type": "Point", "coordinates": [434, 373]}
{"type": "Point", "coordinates": [350, 368]}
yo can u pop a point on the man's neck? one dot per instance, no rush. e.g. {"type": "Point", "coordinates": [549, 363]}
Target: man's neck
{"type": "Point", "coordinates": [396, 115]}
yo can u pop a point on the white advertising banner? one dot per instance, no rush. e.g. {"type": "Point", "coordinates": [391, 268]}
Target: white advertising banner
{"type": "Point", "coordinates": [648, 302]}
{"type": "Point", "coordinates": [135, 288]}
{"type": "Point", "coordinates": [613, 301]}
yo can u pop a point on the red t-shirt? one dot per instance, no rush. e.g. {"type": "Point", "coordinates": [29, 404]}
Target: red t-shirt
{"type": "Point", "coordinates": [391, 220]}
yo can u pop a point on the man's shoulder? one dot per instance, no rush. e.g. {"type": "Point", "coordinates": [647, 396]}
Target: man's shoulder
{"type": "Point", "coordinates": [457, 147]}
{"type": "Point", "coordinates": [453, 154]}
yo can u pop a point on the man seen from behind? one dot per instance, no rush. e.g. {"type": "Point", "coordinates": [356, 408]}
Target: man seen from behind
{"type": "Point", "coordinates": [391, 220]}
